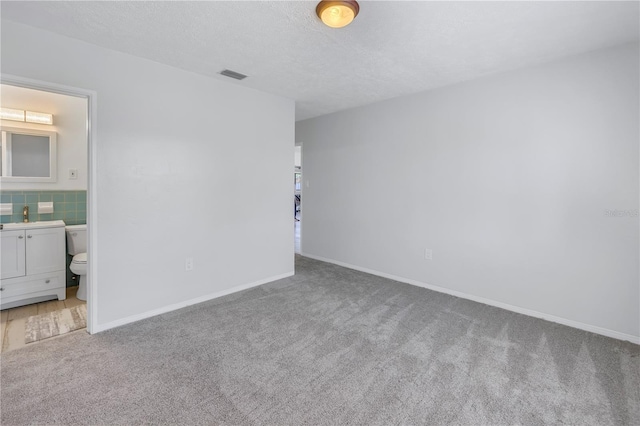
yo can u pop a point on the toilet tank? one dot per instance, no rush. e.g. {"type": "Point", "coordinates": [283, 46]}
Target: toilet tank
{"type": "Point", "coordinates": [76, 239]}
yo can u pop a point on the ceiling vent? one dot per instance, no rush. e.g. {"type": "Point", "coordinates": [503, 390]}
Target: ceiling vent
{"type": "Point", "coordinates": [233, 74]}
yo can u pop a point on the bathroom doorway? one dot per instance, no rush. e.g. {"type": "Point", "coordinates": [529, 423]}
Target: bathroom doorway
{"type": "Point", "coordinates": [297, 198]}
{"type": "Point", "coordinates": [69, 198]}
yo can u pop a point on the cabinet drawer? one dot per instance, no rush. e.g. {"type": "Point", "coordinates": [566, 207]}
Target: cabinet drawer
{"type": "Point", "coordinates": [26, 285]}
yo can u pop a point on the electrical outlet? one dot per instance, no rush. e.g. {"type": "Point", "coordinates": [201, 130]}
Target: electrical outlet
{"type": "Point", "coordinates": [428, 254]}
{"type": "Point", "coordinates": [73, 173]}
{"type": "Point", "coordinates": [188, 264]}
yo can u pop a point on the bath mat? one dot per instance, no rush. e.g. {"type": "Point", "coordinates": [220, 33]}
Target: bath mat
{"type": "Point", "coordinates": [43, 326]}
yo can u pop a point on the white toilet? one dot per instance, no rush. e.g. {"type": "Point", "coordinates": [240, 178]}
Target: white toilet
{"type": "Point", "coordinates": [77, 247]}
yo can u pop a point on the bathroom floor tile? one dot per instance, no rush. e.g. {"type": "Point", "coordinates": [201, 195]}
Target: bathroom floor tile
{"type": "Point", "coordinates": [14, 334]}
{"type": "Point", "coordinates": [71, 299]}
{"type": "Point", "coordinates": [70, 302]}
{"type": "Point", "coordinates": [3, 325]}
{"type": "Point", "coordinates": [23, 312]}
{"type": "Point", "coordinates": [51, 306]}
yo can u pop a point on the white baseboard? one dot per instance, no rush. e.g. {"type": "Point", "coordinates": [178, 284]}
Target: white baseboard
{"type": "Point", "coordinates": [571, 323]}
{"type": "Point", "coordinates": [133, 318]}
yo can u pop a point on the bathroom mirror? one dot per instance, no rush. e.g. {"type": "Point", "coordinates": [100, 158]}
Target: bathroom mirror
{"type": "Point", "coordinates": [27, 155]}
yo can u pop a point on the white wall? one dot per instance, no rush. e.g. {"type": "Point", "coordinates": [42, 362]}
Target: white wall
{"type": "Point", "coordinates": [507, 179]}
{"type": "Point", "coordinates": [70, 125]}
{"type": "Point", "coordinates": [187, 166]}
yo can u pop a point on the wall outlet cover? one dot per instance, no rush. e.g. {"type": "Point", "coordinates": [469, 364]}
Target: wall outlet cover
{"type": "Point", "coordinates": [188, 264]}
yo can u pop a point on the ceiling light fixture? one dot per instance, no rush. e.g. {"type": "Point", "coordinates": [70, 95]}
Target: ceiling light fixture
{"type": "Point", "coordinates": [337, 14]}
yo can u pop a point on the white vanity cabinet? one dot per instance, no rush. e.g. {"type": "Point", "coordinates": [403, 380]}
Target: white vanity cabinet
{"type": "Point", "coordinates": [33, 262]}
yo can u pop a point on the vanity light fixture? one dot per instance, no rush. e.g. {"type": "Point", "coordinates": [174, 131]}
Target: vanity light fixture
{"type": "Point", "coordinates": [38, 117]}
{"type": "Point", "coordinates": [337, 14]}
{"type": "Point", "coordinates": [12, 114]}
{"type": "Point", "coordinates": [26, 116]}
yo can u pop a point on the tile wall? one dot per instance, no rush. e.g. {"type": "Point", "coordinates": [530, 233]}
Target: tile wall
{"type": "Point", "coordinates": [69, 206]}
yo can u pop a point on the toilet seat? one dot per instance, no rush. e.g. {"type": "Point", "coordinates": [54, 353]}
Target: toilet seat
{"type": "Point", "coordinates": [79, 264]}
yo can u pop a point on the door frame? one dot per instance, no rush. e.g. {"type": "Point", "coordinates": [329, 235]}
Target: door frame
{"type": "Point", "coordinates": [92, 181]}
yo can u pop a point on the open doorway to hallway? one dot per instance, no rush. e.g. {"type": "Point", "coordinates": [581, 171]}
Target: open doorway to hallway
{"type": "Point", "coordinates": [297, 197]}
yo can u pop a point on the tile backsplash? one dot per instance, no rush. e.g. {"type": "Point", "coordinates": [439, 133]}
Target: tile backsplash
{"type": "Point", "coordinates": [69, 206]}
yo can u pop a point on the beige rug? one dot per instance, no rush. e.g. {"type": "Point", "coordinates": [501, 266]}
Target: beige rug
{"type": "Point", "coordinates": [43, 326]}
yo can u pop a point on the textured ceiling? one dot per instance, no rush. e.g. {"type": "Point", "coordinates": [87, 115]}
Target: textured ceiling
{"type": "Point", "coordinates": [391, 49]}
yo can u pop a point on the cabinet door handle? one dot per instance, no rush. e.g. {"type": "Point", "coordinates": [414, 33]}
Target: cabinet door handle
{"type": "Point", "coordinates": [20, 237]}
{"type": "Point", "coordinates": [47, 281]}
{"type": "Point", "coordinates": [29, 236]}
{"type": "Point", "coordinates": [1, 289]}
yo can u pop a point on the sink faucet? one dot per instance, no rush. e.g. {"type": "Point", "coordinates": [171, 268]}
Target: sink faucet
{"type": "Point", "coordinates": [25, 214]}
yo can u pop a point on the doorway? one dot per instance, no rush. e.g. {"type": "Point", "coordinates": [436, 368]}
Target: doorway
{"type": "Point", "coordinates": [72, 196]}
{"type": "Point", "coordinates": [297, 198]}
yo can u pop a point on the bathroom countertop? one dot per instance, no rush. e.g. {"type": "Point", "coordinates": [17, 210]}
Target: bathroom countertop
{"type": "Point", "coordinates": [32, 225]}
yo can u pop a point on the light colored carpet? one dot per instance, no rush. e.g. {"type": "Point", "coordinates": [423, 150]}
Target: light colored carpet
{"type": "Point", "coordinates": [44, 326]}
{"type": "Point", "coordinates": [327, 346]}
